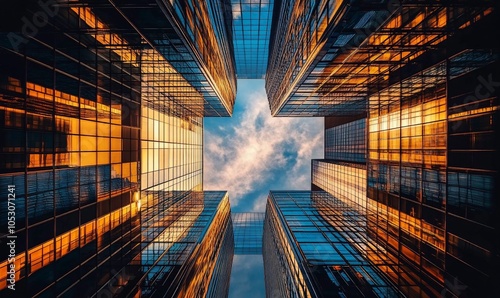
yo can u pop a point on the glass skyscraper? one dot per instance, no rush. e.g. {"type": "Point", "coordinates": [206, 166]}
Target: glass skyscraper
{"type": "Point", "coordinates": [410, 97]}
{"type": "Point", "coordinates": [101, 108]}
{"type": "Point", "coordinates": [252, 22]}
{"type": "Point", "coordinates": [310, 249]}
{"type": "Point", "coordinates": [192, 256]}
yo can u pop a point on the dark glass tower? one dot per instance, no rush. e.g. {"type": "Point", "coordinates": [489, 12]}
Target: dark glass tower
{"type": "Point", "coordinates": [101, 107]}
{"type": "Point", "coordinates": [192, 256]}
{"type": "Point", "coordinates": [309, 251]}
{"type": "Point", "coordinates": [420, 82]}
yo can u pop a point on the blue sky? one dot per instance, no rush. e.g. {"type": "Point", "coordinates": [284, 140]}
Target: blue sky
{"type": "Point", "coordinates": [252, 152]}
{"type": "Point", "coordinates": [247, 277]}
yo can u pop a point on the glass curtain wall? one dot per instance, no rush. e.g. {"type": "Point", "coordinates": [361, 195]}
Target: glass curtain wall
{"type": "Point", "coordinates": [102, 137]}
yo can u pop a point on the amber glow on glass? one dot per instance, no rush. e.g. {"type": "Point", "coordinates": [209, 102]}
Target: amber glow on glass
{"type": "Point", "coordinates": [113, 41]}
{"type": "Point", "coordinates": [43, 254]}
{"type": "Point", "coordinates": [209, 249]}
{"type": "Point", "coordinates": [341, 77]}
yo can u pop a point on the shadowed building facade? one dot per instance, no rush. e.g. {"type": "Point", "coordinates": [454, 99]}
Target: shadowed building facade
{"type": "Point", "coordinates": [409, 91]}
{"type": "Point", "coordinates": [252, 22]}
{"type": "Point", "coordinates": [310, 249]}
{"type": "Point", "coordinates": [101, 118]}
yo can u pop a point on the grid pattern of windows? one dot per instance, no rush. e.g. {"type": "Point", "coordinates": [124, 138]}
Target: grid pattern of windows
{"type": "Point", "coordinates": [407, 140]}
{"type": "Point", "coordinates": [298, 31]}
{"type": "Point", "coordinates": [472, 177]}
{"type": "Point", "coordinates": [251, 33]}
{"type": "Point", "coordinates": [346, 142]}
{"type": "Point", "coordinates": [196, 239]}
{"type": "Point", "coordinates": [171, 135]}
{"type": "Point", "coordinates": [70, 136]}
{"type": "Point", "coordinates": [344, 181]}
{"type": "Point", "coordinates": [313, 73]}
{"type": "Point", "coordinates": [416, 133]}
{"type": "Point", "coordinates": [202, 53]}
{"type": "Point", "coordinates": [425, 199]}
{"type": "Point", "coordinates": [102, 137]}
{"type": "Point", "coordinates": [173, 211]}
{"type": "Point", "coordinates": [297, 229]}
{"type": "Point", "coordinates": [427, 88]}
{"type": "Point", "coordinates": [248, 228]}
{"type": "Point", "coordinates": [219, 283]}
{"type": "Point", "coordinates": [208, 29]}
{"type": "Point", "coordinates": [160, 80]}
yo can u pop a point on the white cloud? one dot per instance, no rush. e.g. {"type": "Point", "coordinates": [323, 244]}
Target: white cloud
{"type": "Point", "coordinates": [243, 158]}
{"type": "Point", "coordinates": [236, 11]}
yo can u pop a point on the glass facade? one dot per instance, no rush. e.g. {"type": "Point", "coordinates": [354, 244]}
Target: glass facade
{"type": "Point", "coordinates": [419, 150]}
{"type": "Point", "coordinates": [203, 52]}
{"type": "Point", "coordinates": [101, 120]}
{"type": "Point", "coordinates": [70, 135]}
{"type": "Point", "coordinates": [248, 228]}
{"type": "Point", "coordinates": [102, 139]}
{"type": "Point", "coordinates": [407, 158]}
{"type": "Point", "coordinates": [307, 74]}
{"type": "Point", "coordinates": [251, 33]}
{"type": "Point", "coordinates": [195, 37]}
{"type": "Point", "coordinates": [328, 56]}
{"type": "Point", "coordinates": [343, 171]}
{"type": "Point", "coordinates": [189, 253]}
{"type": "Point", "coordinates": [421, 179]}
{"type": "Point", "coordinates": [306, 252]}
{"type": "Point", "coordinates": [344, 181]}
{"type": "Point", "coordinates": [347, 141]}
{"type": "Point", "coordinates": [430, 97]}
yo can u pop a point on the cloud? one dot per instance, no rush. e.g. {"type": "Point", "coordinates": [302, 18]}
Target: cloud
{"type": "Point", "coordinates": [254, 152]}
{"type": "Point", "coordinates": [236, 11]}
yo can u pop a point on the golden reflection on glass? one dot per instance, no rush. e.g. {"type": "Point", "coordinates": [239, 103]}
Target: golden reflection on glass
{"type": "Point", "coordinates": [209, 252]}
{"type": "Point", "coordinates": [345, 75]}
{"type": "Point", "coordinates": [344, 181]}
{"type": "Point", "coordinates": [112, 41]}
{"type": "Point", "coordinates": [212, 54]}
{"type": "Point", "coordinates": [170, 150]}
{"type": "Point", "coordinates": [43, 254]}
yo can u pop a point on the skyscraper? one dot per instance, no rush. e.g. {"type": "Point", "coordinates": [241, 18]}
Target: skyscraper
{"type": "Point", "coordinates": [251, 36]}
{"type": "Point", "coordinates": [306, 256]}
{"type": "Point", "coordinates": [192, 256]}
{"type": "Point", "coordinates": [101, 108]}
{"type": "Point", "coordinates": [419, 80]}
{"type": "Point", "coordinates": [310, 41]}
{"type": "Point", "coordinates": [101, 118]}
